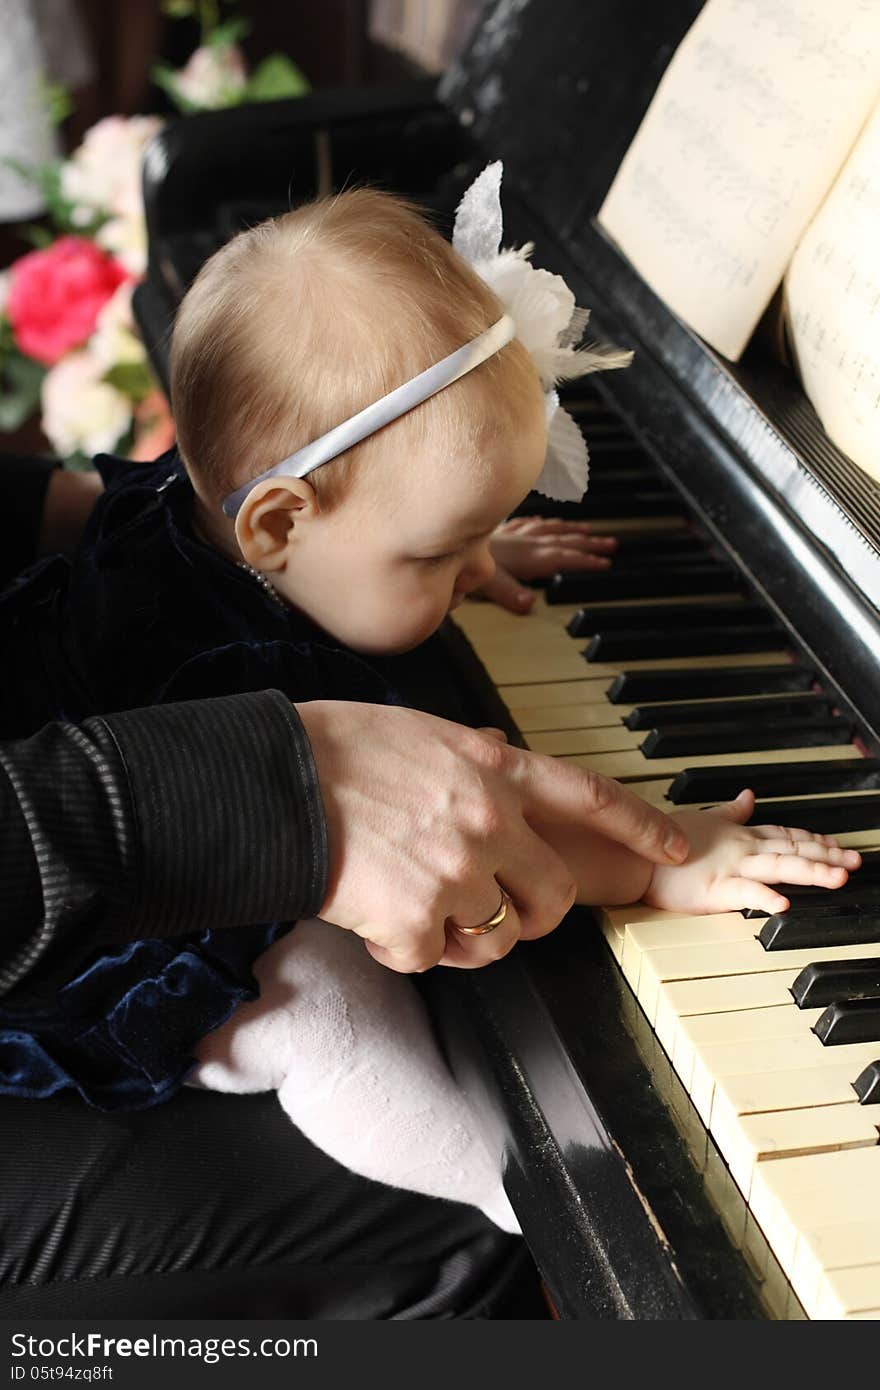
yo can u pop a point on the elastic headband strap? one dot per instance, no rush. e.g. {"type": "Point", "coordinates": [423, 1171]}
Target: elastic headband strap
{"type": "Point", "coordinates": [383, 411]}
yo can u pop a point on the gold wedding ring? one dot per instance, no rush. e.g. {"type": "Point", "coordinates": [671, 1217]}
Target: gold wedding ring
{"type": "Point", "coordinates": [491, 923]}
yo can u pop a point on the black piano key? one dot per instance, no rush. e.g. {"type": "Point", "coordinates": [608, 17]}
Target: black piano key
{"type": "Point", "coordinates": [636, 502]}
{"type": "Point", "coordinates": [641, 644]}
{"type": "Point", "coordinates": [867, 1085]}
{"type": "Point", "coordinates": [621, 482]}
{"type": "Point", "coordinates": [665, 616]}
{"type": "Point", "coordinates": [807, 709]}
{"type": "Point", "coordinates": [827, 815]}
{"type": "Point", "coordinates": [850, 1021]}
{"type": "Point", "coordinates": [825, 981]}
{"type": "Point", "coordinates": [802, 929]}
{"type": "Point", "coordinates": [641, 544]}
{"type": "Point", "coordinates": [707, 682]}
{"type": "Point", "coordinates": [776, 779]}
{"type": "Point", "coordinates": [688, 741]}
{"type": "Point", "coordinates": [673, 581]}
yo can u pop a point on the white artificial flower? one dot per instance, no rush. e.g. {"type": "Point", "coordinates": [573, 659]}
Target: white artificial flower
{"type": "Point", "coordinates": [548, 324]}
{"type": "Point", "coordinates": [214, 76]}
{"type": "Point", "coordinates": [115, 338]}
{"type": "Point", "coordinates": [125, 238]}
{"type": "Point", "coordinates": [103, 176]}
{"type": "Point", "coordinates": [82, 413]}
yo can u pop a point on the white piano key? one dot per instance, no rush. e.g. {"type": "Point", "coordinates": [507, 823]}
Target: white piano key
{"type": "Point", "coordinates": [674, 932]}
{"type": "Point", "coordinates": [823, 1249]}
{"type": "Point", "coordinates": [629, 766]}
{"type": "Point", "coordinates": [736, 1027]}
{"type": "Point", "coordinates": [789, 1194]}
{"type": "Point", "coordinates": [713, 1062]}
{"type": "Point", "coordinates": [681, 998]}
{"type": "Point", "coordinates": [741, 957]}
{"type": "Point", "coordinates": [748, 1140]}
{"type": "Point", "coordinates": [549, 693]}
{"type": "Point", "coordinates": [585, 741]}
{"type": "Point", "coordinates": [532, 719]}
{"type": "Point", "coordinates": [515, 663]}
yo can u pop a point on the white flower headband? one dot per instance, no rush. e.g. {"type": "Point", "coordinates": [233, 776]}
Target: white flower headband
{"type": "Point", "coordinates": [540, 311]}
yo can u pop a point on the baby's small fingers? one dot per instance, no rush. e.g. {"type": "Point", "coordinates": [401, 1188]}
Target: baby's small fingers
{"type": "Point", "coordinates": [544, 525]}
{"type": "Point", "coordinates": [567, 558]}
{"type": "Point", "coordinates": [738, 894]}
{"type": "Point", "coordinates": [737, 810]}
{"type": "Point", "coordinates": [791, 868]}
{"type": "Point", "coordinates": [810, 849]}
{"type": "Point", "coordinates": [789, 832]}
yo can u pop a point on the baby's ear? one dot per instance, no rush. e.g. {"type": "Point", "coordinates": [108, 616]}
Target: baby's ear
{"type": "Point", "coordinates": [267, 520]}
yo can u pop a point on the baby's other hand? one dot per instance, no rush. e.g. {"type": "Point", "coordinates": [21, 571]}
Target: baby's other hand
{"type": "Point", "coordinates": [731, 864]}
{"type": "Point", "coordinates": [534, 547]}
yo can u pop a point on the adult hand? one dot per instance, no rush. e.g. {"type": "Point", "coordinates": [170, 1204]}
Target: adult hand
{"type": "Point", "coordinates": [534, 547]}
{"type": "Point", "coordinates": [427, 821]}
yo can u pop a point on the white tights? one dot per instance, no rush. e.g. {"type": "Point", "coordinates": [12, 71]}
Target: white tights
{"type": "Point", "coordinates": [348, 1046]}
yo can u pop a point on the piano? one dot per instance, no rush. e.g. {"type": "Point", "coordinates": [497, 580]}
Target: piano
{"type": "Point", "coordinates": [687, 1107]}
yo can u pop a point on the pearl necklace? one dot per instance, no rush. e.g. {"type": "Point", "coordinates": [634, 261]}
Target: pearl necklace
{"type": "Point", "coordinates": [263, 582]}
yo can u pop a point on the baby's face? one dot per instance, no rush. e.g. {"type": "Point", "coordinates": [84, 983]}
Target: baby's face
{"type": "Point", "coordinates": [383, 568]}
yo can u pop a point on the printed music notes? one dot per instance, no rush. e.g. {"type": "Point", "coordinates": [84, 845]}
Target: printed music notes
{"type": "Point", "coordinates": [748, 129]}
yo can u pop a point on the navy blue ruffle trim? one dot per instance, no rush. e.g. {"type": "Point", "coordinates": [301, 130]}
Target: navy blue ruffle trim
{"type": "Point", "coordinates": [123, 1032]}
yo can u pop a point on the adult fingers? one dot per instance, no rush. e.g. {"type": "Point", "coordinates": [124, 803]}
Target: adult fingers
{"type": "Point", "coordinates": [555, 790]}
{"type": "Point", "coordinates": [540, 882]}
{"type": "Point", "coordinates": [410, 951]}
{"type": "Point", "coordinates": [468, 952]}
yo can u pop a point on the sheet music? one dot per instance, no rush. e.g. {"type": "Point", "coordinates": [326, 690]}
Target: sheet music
{"type": "Point", "coordinates": [832, 293]}
{"type": "Point", "coordinates": [749, 126]}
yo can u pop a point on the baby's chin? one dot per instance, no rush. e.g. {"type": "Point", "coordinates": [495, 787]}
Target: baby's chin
{"type": "Point", "coordinates": [405, 642]}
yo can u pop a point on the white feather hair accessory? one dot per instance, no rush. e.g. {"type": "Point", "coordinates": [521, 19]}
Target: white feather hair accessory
{"type": "Point", "coordinates": [548, 324]}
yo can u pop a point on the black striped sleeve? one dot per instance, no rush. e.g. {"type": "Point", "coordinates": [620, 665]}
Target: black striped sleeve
{"type": "Point", "coordinates": [158, 822]}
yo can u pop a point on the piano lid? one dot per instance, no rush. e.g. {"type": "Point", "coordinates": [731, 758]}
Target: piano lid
{"type": "Point", "coordinates": [558, 93]}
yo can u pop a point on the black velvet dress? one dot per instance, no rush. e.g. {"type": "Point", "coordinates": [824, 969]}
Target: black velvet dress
{"type": "Point", "coordinates": [148, 613]}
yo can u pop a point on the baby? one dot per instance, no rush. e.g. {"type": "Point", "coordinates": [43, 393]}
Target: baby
{"type": "Point", "coordinates": [357, 413]}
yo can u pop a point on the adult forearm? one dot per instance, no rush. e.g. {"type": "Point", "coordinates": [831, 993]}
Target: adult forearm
{"type": "Point", "coordinates": [157, 822]}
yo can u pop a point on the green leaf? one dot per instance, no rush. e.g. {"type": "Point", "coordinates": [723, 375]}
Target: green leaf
{"type": "Point", "coordinates": [81, 463]}
{"type": "Point", "coordinates": [179, 9]}
{"type": "Point", "coordinates": [166, 78]}
{"type": "Point", "coordinates": [20, 393]}
{"type": "Point", "coordinates": [58, 101]}
{"type": "Point", "coordinates": [228, 33]}
{"type": "Point", "coordinates": [39, 237]}
{"type": "Point", "coordinates": [131, 378]}
{"type": "Point", "coordinates": [275, 78]}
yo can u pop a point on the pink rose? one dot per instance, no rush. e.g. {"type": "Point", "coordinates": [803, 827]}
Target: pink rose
{"type": "Point", "coordinates": [55, 296]}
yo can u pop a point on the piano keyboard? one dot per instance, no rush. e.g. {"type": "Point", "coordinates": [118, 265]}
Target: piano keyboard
{"type": "Point", "coordinates": [762, 1035]}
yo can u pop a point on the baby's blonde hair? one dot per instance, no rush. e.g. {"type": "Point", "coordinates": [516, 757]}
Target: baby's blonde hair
{"type": "Point", "coordinates": [300, 322]}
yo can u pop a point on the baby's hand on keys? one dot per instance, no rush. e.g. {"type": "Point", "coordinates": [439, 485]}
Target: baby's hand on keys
{"type": "Point", "coordinates": [731, 864]}
{"type": "Point", "coordinates": [534, 547]}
